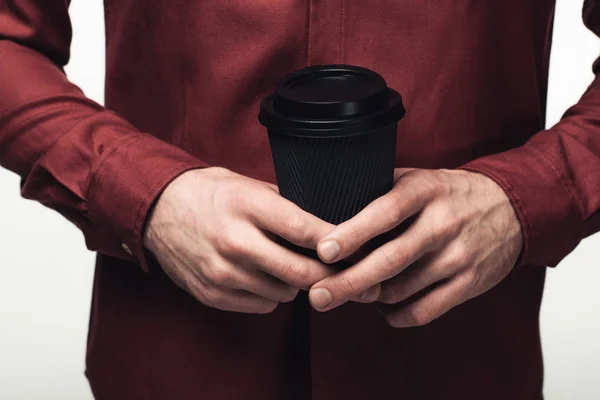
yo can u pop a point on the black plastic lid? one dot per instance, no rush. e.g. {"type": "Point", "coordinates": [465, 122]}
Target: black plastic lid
{"type": "Point", "coordinates": [329, 101]}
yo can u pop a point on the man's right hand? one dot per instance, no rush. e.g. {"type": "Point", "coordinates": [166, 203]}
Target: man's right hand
{"type": "Point", "coordinates": [211, 232]}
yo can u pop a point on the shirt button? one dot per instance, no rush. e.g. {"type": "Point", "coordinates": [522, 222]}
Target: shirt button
{"type": "Point", "coordinates": [126, 248]}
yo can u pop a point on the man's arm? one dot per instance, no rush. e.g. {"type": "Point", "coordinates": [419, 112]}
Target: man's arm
{"type": "Point", "coordinates": [73, 155]}
{"type": "Point", "coordinates": [208, 228]}
{"type": "Point", "coordinates": [536, 201]}
{"type": "Point", "coordinates": [553, 181]}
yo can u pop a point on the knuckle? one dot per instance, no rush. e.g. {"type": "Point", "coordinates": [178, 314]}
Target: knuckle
{"type": "Point", "coordinates": [394, 320]}
{"type": "Point", "coordinates": [459, 256]}
{"type": "Point", "coordinates": [429, 181]}
{"type": "Point", "coordinates": [212, 297]}
{"type": "Point", "coordinates": [268, 308]}
{"type": "Point", "coordinates": [442, 183]}
{"type": "Point", "coordinates": [219, 275]}
{"type": "Point", "coordinates": [445, 228]}
{"type": "Point", "coordinates": [388, 205]}
{"type": "Point", "coordinates": [419, 279]}
{"type": "Point", "coordinates": [451, 263]}
{"type": "Point", "coordinates": [437, 237]}
{"type": "Point", "coordinates": [348, 285]}
{"type": "Point", "coordinates": [219, 172]}
{"type": "Point", "coordinates": [418, 316]}
{"type": "Point", "coordinates": [419, 196]}
{"type": "Point", "coordinates": [235, 198]}
{"type": "Point", "coordinates": [389, 295]}
{"type": "Point", "coordinates": [290, 295]}
{"type": "Point", "coordinates": [393, 256]}
{"type": "Point", "coordinates": [448, 266]}
{"type": "Point", "coordinates": [401, 289]}
{"type": "Point", "coordinates": [355, 235]}
{"type": "Point", "coordinates": [472, 277]}
{"type": "Point", "coordinates": [224, 193]}
{"type": "Point", "coordinates": [228, 245]}
{"type": "Point", "coordinates": [445, 216]}
{"type": "Point", "coordinates": [234, 193]}
{"type": "Point", "coordinates": [296, 223]}
{"type": "Point", "coordinates": [296, 226]}
{"type": "Point", "coordinates": [298, 275]}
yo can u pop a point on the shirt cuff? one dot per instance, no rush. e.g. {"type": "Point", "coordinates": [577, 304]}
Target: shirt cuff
{"type": "Point", "coordinates": [541, 200]}
{"type": "Point", "coordinates": [126, 185]}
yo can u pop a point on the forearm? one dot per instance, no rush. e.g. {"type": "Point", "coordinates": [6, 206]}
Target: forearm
{"type": "Point", "coordinates": [73, 155]}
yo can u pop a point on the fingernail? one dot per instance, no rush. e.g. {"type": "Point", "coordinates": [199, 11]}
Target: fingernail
{"type": "Point", "coordinates": [320, 298]}
{"type": "Point", "coordinates": [329, 250]}
{"type": "Point", "coordinates": [370, 294]}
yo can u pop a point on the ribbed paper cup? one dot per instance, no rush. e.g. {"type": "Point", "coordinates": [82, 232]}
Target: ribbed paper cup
{"type": "Point", "coordinates": [332, 131]}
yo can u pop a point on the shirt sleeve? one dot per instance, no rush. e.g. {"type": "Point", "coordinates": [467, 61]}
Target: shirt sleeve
{"type": "Point", "coordinates": [73, 155]}
{"type": "Point", "coordinates": [553, 181]}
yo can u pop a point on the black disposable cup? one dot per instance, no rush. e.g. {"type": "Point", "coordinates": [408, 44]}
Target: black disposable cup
{"type": "Point", "coordinates": [332, 130]}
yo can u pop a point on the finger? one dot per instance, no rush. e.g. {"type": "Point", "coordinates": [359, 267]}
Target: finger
{"type": "Point", "coordinates": [372, 294]}
{"type": "Point", "coordinates": [251, 279]}
{"type": "Point", "coordinates": [382, 215]}
{"type": "Point", "coordinates": [379, 266]}
{"type": "Point", "coordinates": [431, 268]}
{"type": "Point", "coordinates": [285, 219]}
{"type": "Point", "coordinates": [232, 300]}
{"type": "Point", "coordinates": [431, 306]}
{"type": "Point", "coordinates": [368, 296]}
{"type": "Point", "coordinates": [239, 275]}
{"type": "Point", "coordinates": [290, 267]}
{"type": "Point", "coordinates": [398, 172]}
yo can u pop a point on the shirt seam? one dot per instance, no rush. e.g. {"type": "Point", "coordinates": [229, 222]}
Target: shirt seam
{"type": "Point", "coordinates": [342, 29]}
{"type": "Point", "coordinates": [97, 172]}
{"type": "Point", "coordinates": [574, 200]}
{"type": "Point", "coordinates": [64, 134]}
{"type": "Point", "coordinates": [308, 32]}
{"type": "Point", "coordinates": [71, 97]}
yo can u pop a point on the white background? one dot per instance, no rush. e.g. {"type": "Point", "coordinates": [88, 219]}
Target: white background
{"type": "Point", "coordinates": [46, 273]}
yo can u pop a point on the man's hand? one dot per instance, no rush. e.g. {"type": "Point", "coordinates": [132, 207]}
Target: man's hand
{"type": "Point", "coordinates": [465, 239]}
{"type": "Point", "coordinates": [211, 232]}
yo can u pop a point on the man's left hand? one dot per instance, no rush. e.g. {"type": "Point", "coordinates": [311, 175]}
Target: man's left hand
{"type": "Point", "coordinates": [464, 240]}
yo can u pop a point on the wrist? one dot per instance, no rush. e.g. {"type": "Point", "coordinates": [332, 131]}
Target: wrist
{"type": "Point", "coordinates": [148, 232]}
{"type": "Point", "coordinates": [158, 214]}
{"type": "Point", "coordinates": [170, 201]}
{"type": "Point", "coordinates": [502, 212]}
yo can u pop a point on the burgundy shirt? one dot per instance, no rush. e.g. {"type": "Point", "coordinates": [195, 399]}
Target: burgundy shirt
{"type": "Point", "coordinates": [183, 84]}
